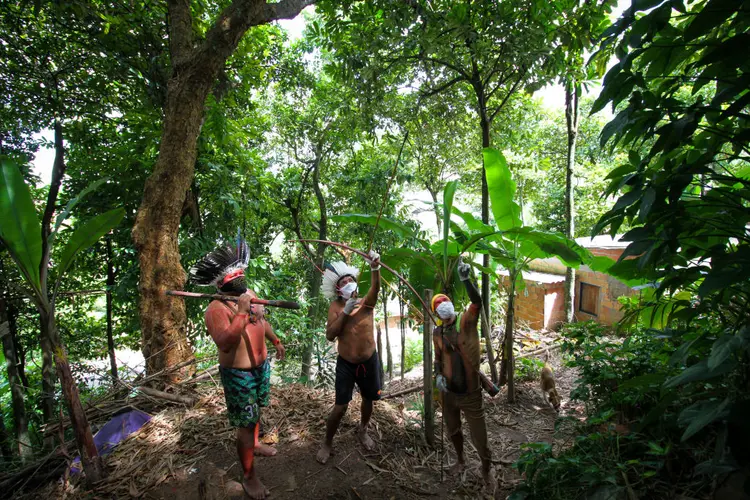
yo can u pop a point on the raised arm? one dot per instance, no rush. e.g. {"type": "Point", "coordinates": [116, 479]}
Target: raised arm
{"type": "Point", "coordinates": [372, 294]}
{"type": "Point", "coordinates": [472, 313]}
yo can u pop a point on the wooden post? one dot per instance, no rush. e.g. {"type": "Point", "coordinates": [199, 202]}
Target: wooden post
{"type": "Point", "coordinates": [429, 410]}
{"type": "Point", "coordinates": [110, 286]}
{"type": "Point", "coordinates": [380, 353]}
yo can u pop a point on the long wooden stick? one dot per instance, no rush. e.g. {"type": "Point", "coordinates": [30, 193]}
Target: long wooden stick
{"type": "Point", "coordinates": [367, 258]}
{"type": "Point", "coordinates": [388, 190]}
{"type": "Point", "coordinates": [286, 304]}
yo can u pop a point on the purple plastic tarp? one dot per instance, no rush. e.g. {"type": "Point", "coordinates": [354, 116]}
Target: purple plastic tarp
{"type": "Point", "coordinates": [113, 432]}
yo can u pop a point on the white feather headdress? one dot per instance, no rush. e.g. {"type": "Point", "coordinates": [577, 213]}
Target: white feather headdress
{"type": "Point", "coordinates": [333, 274]}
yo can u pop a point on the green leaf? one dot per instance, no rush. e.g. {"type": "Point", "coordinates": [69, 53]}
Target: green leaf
{"type": "Point", "coordinates": [448, 194]}
{"type": "Point", "coordinates": [698, 371]}
{"type": "Point", "coordinates": [86, 235]}
{"type": "Point", "coordinates": [722, 349]}
{"type": "Point", "coordinates": [20, 229]}
{"type": "Point", "coordinates": [649, 379]}
{"type": "Point", "coordinates": [549, 244]}
{"type": "Point", "coordinates": [385, 223]}
{"type": "Point", "coordinates": [472, 222]}
{"type": "Point", "coordinates": [69, 207]}
{"type": "Point", "coordinates": [502, 190]}
{"type": "Point", "coordinates": [700, 414]}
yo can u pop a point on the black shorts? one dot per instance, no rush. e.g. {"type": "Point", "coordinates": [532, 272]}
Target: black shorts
{"type": "Point", "coordinates": [366, 375]}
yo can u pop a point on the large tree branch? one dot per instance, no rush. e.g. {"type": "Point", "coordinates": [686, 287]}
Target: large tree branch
{"type": "Point", "coordinates": [235, 20]}
{"type": "Point", "coordinates": [180, 30]}
{"type": "Point", "coordinates": [58, 170]}
{"type": "Point", "coordinates": [443, 87]}
{"type": "Point", "coordinates": [509, 94]}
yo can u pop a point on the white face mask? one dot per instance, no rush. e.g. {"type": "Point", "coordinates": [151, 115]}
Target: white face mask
{"type": "Point", "coordinates": [445, 310]}
{"type": "Point", "coordinates": [348, 289]}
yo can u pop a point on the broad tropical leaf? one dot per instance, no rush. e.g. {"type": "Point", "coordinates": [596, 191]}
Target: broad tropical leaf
{"type": "Point", "coordinates": [502, 190]}
{"type": "Point", "coordinates": [86, 235]}
{"type": "Point", "coordinates": [448, 194]}
{"type": "Point", "coordinates": [700, 414]}
{"type": "Point", "coordinates": [20, 230]}
{"type": "Point", "coordinates": [472, 222]}
{"type": "Point", "coordinates": [69, 207]}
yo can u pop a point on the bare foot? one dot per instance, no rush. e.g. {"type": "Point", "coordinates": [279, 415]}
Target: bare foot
{"type": "Point", "coordinates": [264, 450]}
{"type": "Point", "coordinates": [323, 454]}
{"type": "Point", "coordinates": [456, 469]}
{"type": "Point", "coordinates": [490, 484]}
{"type": "Point", "coordinates": [366, 440]}
{"type": "Point", "coordinates": [254, 488]}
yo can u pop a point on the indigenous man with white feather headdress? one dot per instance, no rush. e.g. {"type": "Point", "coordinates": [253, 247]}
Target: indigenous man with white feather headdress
{"type": "Point", "coordinates": [350, 321]}
{"type": "Point", "coordinates": [240, 332]}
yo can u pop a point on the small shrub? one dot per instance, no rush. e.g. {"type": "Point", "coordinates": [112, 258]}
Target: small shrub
{"type": "Point", "coordinates": [414, 354]}
{"type": "Point", "coordinates": [528, 369]}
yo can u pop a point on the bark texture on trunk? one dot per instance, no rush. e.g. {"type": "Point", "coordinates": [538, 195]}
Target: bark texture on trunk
{"type": "Point", "coordinates": [110, 286]}
{"type": "Point", "coordinates": [20, 422]}
{"type": "Point", "coordinates": [571, 120]}
{"type": "Point", "coordinates": [387, 342]}
{"type": "Point", "coordinates": [320, 249]}
{"type": "Point", "coordinates": [92, 463]}
{"type": "Point", "coordinates": [195, 68]}
{"type": "Point", "coordinates": [48, 366]}
{"type": "Point", "coordinates": [403, 331]}
{"type": "Point", "coordinates": [507, 368]}
{"type": "Point", "coordinates": [379, 343]}
{"type": "Point", "coordinates": [5, 441]}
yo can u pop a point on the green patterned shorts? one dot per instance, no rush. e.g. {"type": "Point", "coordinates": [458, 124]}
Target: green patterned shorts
{"type": "Point", "coordinates": [246, 392]}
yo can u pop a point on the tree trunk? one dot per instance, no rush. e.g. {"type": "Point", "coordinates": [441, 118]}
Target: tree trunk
{"type": "Point", "coordinates": [110, 286]}
{"type": "Point", "coordinates": [486, 325]}
{"type": "Point", "coordinates": [319, 253]}
{"type": "Point", "coordinates": [19, 353]}
{"type": "Point", "coordinates": [48, 378]}
{"type": "Point", "coordinates": [20, 422]}
{"type": "Point", "coordinates": [312, 316]}
{"type": "Point", "coordinates": [5, 441]}
{"type": "Point", "coordinates": [387, 341]}
{"type": "Point", "coordinates": [571, 119]}
{"type": "Point", "coordinates": [403, 334]}
{"type": "Point", "coordinates": [164, 339]}
{"type": "Point", "coordinates": [507, 368]}
{"type": "Point", "coordinates": [92, 464]}
{"type": "Point", "coordinates": [438, 215]}
{"type": "Point", "coordinates": [48, 370]}
{"type": "Point", "coordinates": [379, 342]}
{"type": "Point", "coordinates": [195, 67]}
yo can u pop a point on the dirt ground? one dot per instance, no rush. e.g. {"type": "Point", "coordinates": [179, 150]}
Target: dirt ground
{"type": "Point", "coordinates": [190, 453]}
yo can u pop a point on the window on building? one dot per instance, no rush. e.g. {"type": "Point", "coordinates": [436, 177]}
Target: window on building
{"type": "Point", "coordinates": [588, 301]}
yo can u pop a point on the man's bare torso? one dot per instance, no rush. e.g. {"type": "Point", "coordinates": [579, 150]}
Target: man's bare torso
{"type": "Point", "coordinates": [251, 350]}
{"type": "Point", "coordinates": [356, 343]}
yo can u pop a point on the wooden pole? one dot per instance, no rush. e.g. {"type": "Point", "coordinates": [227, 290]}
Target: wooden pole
{"type": "Point", "coordinates": [429, 410]}
{"type": "Point", "coordinates": [110, 286]}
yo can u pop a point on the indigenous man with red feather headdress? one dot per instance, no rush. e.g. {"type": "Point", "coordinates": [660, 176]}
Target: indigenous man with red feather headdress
{"type": "Point", "coordinates": [240, 332]}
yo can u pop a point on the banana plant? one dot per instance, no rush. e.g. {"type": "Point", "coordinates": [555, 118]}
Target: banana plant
{"type": "Point", "coordinates": [430, 265]}
{"type": "Point", "coordinates": [512, 246]}
{"type": "Point", "coordinates": [21, 234]}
